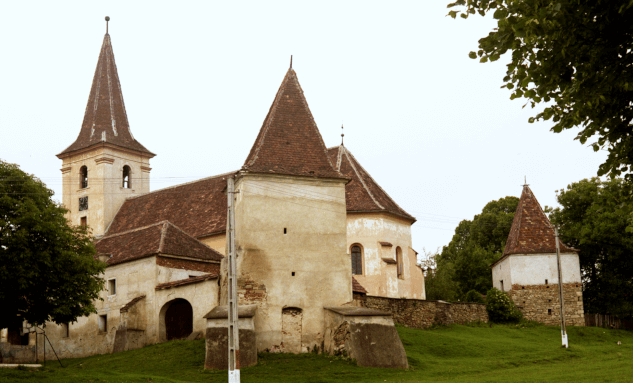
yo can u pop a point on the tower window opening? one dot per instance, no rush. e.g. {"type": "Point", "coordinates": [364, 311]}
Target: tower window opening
{"type": "Point", "coordinates": [285, 230]}
{"type": "Point", "coordinates": [357, 260]}
{"type": "Point", "coordinates": [127, 177]}
{"type": "Point", "coordinates": [84, 221]}
{"type": "Point", "coordinates": [83, 203]}
{"type": "Point", "coordinates": [399, 262]}
{"type": "Point", "coordinates": [546, 281]}
{"type": "Point", "coordinates": [83, 177]}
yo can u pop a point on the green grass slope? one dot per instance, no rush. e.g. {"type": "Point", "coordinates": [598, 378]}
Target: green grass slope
{"type": "Point", "coordinates": [477, 353]}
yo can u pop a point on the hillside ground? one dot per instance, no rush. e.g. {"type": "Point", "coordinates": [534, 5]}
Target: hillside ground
{"type": "Point", "coordinates": [474, 353]}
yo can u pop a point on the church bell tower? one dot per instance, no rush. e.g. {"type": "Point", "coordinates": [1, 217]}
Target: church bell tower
{"type": "Point", "coordinates": [105, 165]}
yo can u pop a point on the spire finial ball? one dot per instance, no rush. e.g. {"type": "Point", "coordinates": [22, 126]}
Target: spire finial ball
{"type": "Point", "coordinates": [107, 18]}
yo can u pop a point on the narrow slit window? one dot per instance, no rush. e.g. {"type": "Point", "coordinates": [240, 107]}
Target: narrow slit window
{"type": "Point", "coordinates": [501, 282]}
{"type": "Point", "coordinates": [357, 260]}
{"type": "Point", "coordinates": [84, 221]}
{"type": "Point", "coordinates": [399, 263]}
{"type": "Point", "coordinates": [83, 177]}
{"type": "Point", "coordinates": [65, 330]}
{"type": "Point", "coordinates": [103, 323]}
{"type": "Point", "coordinates": [127, 177]}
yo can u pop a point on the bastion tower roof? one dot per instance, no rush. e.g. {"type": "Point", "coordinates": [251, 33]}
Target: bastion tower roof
{"type": "Point", "coordinates": [105, 119]}
{"type": "Point", "coordinates": [532, 232]}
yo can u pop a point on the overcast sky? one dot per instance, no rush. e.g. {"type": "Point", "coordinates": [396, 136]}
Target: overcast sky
{"type": "Point", "coordinates": [430, 125]}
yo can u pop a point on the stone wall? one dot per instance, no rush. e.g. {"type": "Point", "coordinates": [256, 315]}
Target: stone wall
{"type": "Point", "coordinates": [540, 303]}
{"type": "Point", "coordinates": [12, 354]}
{"type": "Point", "coordinates": [418, 313]}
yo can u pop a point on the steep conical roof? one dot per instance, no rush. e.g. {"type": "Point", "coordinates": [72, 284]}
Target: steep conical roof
{"type": "Point", "coordinates": [531, 232]}
{"type": "Point", "coordinates": [105, 119]}
{"type": "Point", "coordinates": [289, 141]}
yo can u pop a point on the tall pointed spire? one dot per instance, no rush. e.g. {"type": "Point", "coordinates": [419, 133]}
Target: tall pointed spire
{"type": "Point", "coordinates": [289, 141]}
{"type": "Point", "coordinates": [531, 232]}
{"type": "Point", "coordinates": [105, 119]}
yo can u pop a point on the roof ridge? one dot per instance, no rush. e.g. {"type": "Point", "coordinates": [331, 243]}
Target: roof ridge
{"type": "Point", "coordinates": [377, 184]}
{"type": "Point", "coordinates": [361, 178]}
{"type": "Point", "coordinates": [194, 238]}
{"type": "Point", "coordinates": [339, 157]}
{"type": "Point", "coordinates": [163, 231]}
{"type": "Point", "coordinates": [269, 118]}
{"type": "Point", "coordinates": [133, 230]}
{"type": "Point", "coordinates": [179, 185]}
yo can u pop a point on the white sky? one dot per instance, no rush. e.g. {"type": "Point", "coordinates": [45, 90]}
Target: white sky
{"type": "Point", "coordinates": [429, 124]}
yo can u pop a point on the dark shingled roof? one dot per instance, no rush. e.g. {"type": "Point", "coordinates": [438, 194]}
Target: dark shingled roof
{"type": "Point", "coordinates": [531, 232]}
{"type": "Point", "coordinates": [362, 193]}
{"type": "Point", "coordinates": [105, 119]}
{"type": "Point", "coordinates": [289, 141]}
{"type": "Point", "coordinates": [357, 287]}
{"type": "Point", "coordinates": [159, 238]}
{"type": "Point", "coordinates": [198, 208]}
{"type": "Point", "coordinates": [183, 282]}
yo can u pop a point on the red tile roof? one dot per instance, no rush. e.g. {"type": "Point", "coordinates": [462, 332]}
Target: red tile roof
{"type": "Point", "coordinates": [198, 208]}
{"type": "Point", "coordinates": [357, 287]}
{"type": "Point", "coordinates": [289, 141]}
{"type": "Point", "coordinates": [105, 119]}
{"type": "Point", "coordinates": [362, 193]}
{"type": "Point", "coordinates": [159, 238]}
{"type": "Point", "coordinates": [531, 230]}
{"type": "Point", "coordinates": [183, 282]}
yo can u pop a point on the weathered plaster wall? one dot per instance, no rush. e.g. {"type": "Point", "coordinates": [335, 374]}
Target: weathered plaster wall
{"type": "Point", "coordinates": [502, 272]}
{"type": "Point", "coordinates": [133, 279]}
{"type": "Point", "coordinates": [379, 277]}
{"type": "Point", "coordinates": [419, 313]}
{"type": "Point", "coordinates": [307, 267]}
{"type": "Point", "coordinates": [105, 189]}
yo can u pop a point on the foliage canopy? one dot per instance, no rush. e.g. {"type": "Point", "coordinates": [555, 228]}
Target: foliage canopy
{"type": "Point", "coordinates": [501, 308]}
{"type": "Point", "coordinates": [575, 56]}
{"type": "Point", "coordinates": [593, 218]}
{"type": "Point", "coordinates": [464, 264]}
{"type": "Point", "coordinates": [47, 268]}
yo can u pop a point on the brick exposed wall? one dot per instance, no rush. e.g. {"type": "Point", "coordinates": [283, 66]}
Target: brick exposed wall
{"type": "Point", "coordinates": [419, 313]}
{"type": "Point", "coordinates": [249, 291]}
{"type": "Point", "coordinates": [540, 303]}
{"type": "Point", "coordinates": [185, 264]}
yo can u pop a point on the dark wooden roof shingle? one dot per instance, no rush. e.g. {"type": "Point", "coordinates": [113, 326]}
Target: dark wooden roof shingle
{"type": "Point", "coordinates": [531, 231]}
{"type": "Point", "coordinates": [105, 119]}
{"type": "Point", "coordinates": [198, 208]}
{"type": "Point", "coordinates": [159, 238]}
{"type": "Point", "coordinates": [289, 141]}
{"type": "Point", "coordinates": [362, 193]}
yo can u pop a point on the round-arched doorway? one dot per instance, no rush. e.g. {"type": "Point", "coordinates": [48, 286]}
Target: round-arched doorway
{"type": "Point", "coordinates": [177, 319]}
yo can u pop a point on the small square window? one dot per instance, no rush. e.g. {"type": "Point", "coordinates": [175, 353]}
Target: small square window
{"type": "Point", "coordinates": [103, 323]}
{"type": "Point", "coordinates": [549, 311]}
{"type": "Point", "coordinates": [112, 287]}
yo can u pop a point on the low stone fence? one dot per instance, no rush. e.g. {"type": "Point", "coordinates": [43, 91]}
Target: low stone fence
{"type": "Point", "coordinates": [419, 313]}
{"type": "Point", "coordinates": [16, 354]}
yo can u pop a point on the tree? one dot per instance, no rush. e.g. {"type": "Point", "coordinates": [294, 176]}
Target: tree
{"type": "Point", "coordinates": [47, 268]}
{"type": "Point", "coordinates": [576, 57]}
{"type": "Point", "coordinates": [593, 218]}
{"type": "Point", "coordinates": [475, 245]}
{"type": "Point", "coordinates": [438, 283]}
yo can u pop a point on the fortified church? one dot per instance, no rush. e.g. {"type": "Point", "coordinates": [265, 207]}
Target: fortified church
{"type": "Point", "coordinates": [313, 229]}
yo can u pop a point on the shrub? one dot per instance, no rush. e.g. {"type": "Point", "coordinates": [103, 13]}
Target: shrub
{"type": "Point", "coordinates": [501, 308]}
{"type": "Point", "coordinates": [474, 296]}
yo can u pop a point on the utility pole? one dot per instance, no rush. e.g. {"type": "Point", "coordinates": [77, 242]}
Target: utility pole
{"type": "Point", "coordinates": [234, 342]}
{"type": "Point", "coordinates": [563, 327]}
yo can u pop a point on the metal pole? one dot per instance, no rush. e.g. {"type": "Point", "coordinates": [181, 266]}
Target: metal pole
{"type": "Point", "coordinates": [234, 343]}
{"type": "Point", "coordinates": [563, 327]}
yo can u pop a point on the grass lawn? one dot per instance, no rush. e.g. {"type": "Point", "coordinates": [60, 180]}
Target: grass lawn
{"type": "Point", "coordinates": [477, 353]}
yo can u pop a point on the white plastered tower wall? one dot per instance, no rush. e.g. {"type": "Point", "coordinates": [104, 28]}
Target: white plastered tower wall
{"type": "Point", "coordinates": [291, 244]}
{"type": "Point", "coordinates": [380, 278]}
{"type": "Point", "coordinates": [105, 190]}
{"type": "Point", "coordinates": [535, 269]}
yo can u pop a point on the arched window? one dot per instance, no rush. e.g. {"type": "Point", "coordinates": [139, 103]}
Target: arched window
{"type": "Point", "coordinates": [83, 177]}
{"type": "Point", "coordinates": [357, 260]}
{"type": "Point", "coordinates": [399, 262]}
{"type": "Point", "coordinates": [127, 177]}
